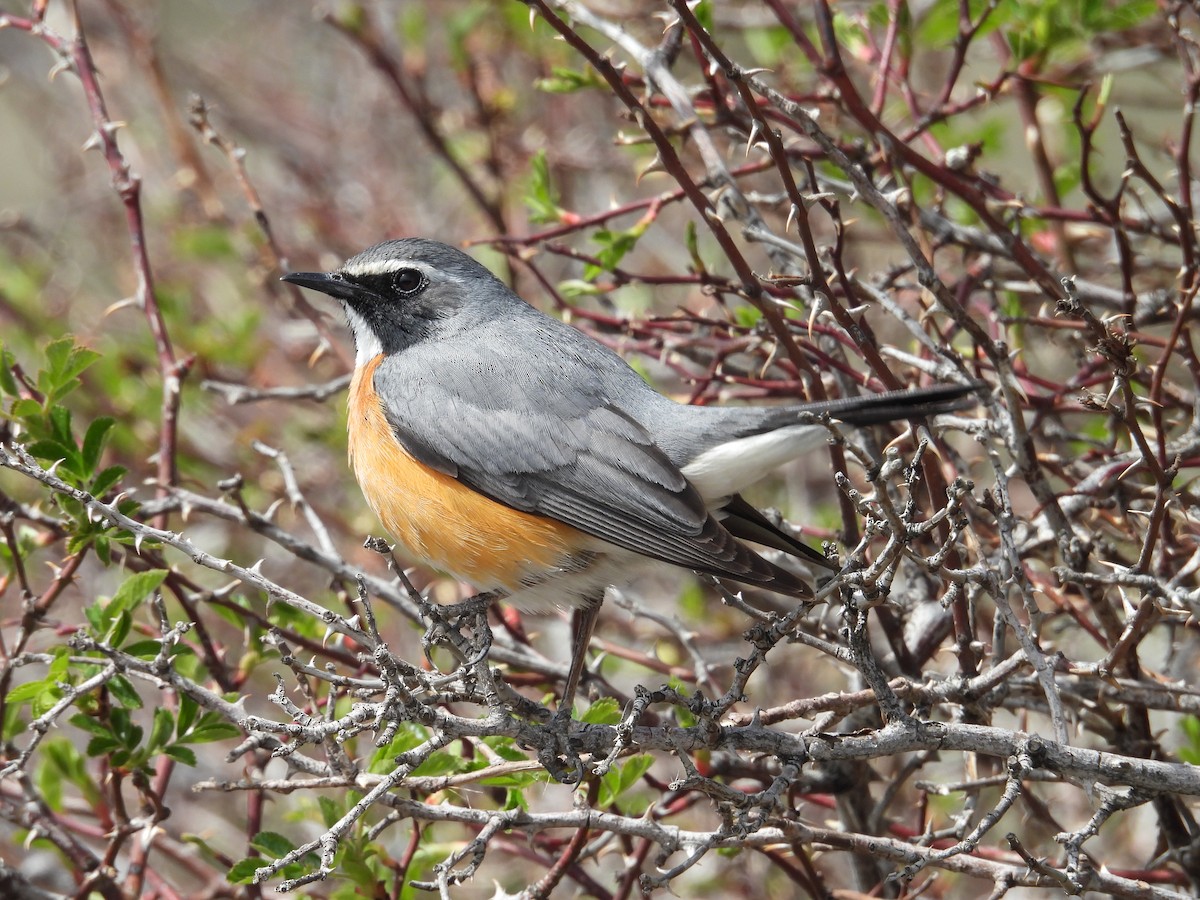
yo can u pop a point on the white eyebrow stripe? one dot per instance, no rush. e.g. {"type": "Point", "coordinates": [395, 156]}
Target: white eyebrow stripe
{"type": "Point", "coordinates": [388, 266]}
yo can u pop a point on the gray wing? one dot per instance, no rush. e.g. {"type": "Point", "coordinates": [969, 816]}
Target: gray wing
{"type": "Point", "coordinates": [541, 443]}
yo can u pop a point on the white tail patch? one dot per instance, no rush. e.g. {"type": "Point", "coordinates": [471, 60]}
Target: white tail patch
{"type": "Point", "coordinates": [730, 467]}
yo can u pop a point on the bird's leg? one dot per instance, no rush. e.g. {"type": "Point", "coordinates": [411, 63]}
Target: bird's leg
{"type": "Point", "coordinates": [563, 763]}
{"type": "Point", "coordinates": [583, 623]}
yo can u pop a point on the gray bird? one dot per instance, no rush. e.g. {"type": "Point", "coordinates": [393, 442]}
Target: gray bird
{"type": "Point", "coordinates": [510, 450]}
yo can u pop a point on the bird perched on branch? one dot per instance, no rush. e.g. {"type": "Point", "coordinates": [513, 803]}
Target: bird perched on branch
{"type": "Point", "coordinates": [510, 450]}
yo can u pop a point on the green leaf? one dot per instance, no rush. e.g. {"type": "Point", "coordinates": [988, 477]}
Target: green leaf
{"type": "Point", "coordinates": [605, 711]}
{"type": "Point", "coordinates": [540, 197]}
{"type": "Point", "coordinates": [51, 450]}
{"type": "Point", "coordinates": [273, 844]}
{"type": "Point", "coordinates": [125, 694]}
{"type": "Point", "coordinates": [50, 785]}
{"type": "Point", "coordinates": [65, 764]}
{"type": "Point", "coordinates": [60, 426]}
{"type": "Point", "coordinates": [98, 617]}
{"type": "Point", "coordinates": [1191, 729]}
{"type": "Point", "coordinates": [243, 870]}
{"type": "Point", "coordinates": [331, 813]}
{"type": "Point", "coordinates": [443, 762]}
{"type": "Point", "coordinates": [60, 665]}
{"type": "Point", "coordinates": [614, 245]}
{"type": "Point", "coordinates": [26, 409]}
{"type": "Point", "coordinates": [8, 381]}
{"type": "Point", "coordinates": [506, 748]}
{"type": "Point", "coordinates": [94, 441]}
{"type": "Point", "coordinates": [13, 723]}
{"type": "Point", "coordinates": [162, 728]}
{"type": "Point", "coordinates": [360, 872]}
{"type": "Point", "coordinates": [407, 736]}
{"type": "Point", "coordinates": [105, 480]}
{"type": "Point", "coordinates": [218, 731]}
{"type": "Point", "coordinates": [67, 361]}
{"type": "Point", "coordinates": [633, 769]}
{"type": "Point", "coordinates": [27, 691]}
{"type": "Point", "coordinates": [90, 725]}
{"type": "Point", "coordinates": [99, 746]}
{"type": "Point", "coordinates": [622, 776]}
{"type": "Point", "coordinates": [567, 81]}
{"type": "Point", "coordinates": [45, 699]}
{"type": "Point", "coordinates": [182, 754]}
{"type": "Point", "coordinates": [135, 589]}
{"type": "Point", "coordinates": [186, 715]}
{"type": "Point", "coordinates": [133, 737]}
{"type": "Point", "coordinates": [119, 630]}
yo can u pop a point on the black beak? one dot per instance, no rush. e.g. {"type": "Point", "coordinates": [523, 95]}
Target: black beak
{"type": "Point", "coordinates": [331, 283]}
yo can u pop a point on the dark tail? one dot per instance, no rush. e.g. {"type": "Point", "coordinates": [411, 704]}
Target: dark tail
{"type": "Point", "coordinates": [871, 409]}
{"type": "Point", "coordinates": [745, 522]}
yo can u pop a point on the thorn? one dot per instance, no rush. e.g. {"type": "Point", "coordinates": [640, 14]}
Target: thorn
{"type": "Point", "coordinates": [791, 219]}
{"type": "Point", "coordinates": [318, 352]}
{"type": "Point", "coordinates": [121, 304]}
{"type": "Point", "coordinates": [754, 129]}
{"type": "Point", "coordinates": [94, 142]}
{"type": "Point", "coordinates": [63, 65]}
{"type": "Point", "coordinates": [898, 197]}
{"type": "Point", "coordinates": [656, 165]}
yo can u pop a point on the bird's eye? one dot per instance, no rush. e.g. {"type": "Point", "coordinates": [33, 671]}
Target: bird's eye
{"type": "Point", "coordinates": [408, 281]}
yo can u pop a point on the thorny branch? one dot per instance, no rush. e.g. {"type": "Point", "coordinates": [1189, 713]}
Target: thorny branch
{"type": "Point", "coordinates": [1017, 603]}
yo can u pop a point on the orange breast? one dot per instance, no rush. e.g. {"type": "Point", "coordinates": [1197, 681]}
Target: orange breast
{"type": "Point", "coordinates": [439, 520]}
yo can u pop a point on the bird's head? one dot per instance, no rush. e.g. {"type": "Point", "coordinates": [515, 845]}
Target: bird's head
{"type": "Point", "coordinates": [401, 292]}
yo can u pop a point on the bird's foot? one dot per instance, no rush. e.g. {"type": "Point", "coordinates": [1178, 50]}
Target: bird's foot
{"type": "Point", "coordinates": [563, 763]}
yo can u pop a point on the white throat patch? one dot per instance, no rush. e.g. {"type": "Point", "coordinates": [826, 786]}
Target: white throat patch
{"type": "Point", "coordinates": [366, 344]}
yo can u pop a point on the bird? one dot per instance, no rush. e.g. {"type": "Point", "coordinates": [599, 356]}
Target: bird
{"type": "Point", "coordinates": [508, 449]}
